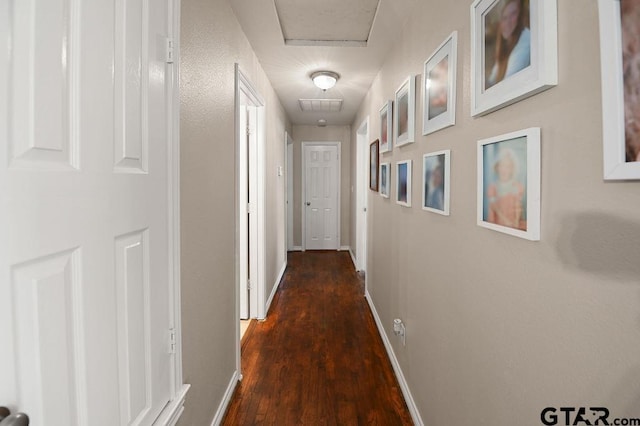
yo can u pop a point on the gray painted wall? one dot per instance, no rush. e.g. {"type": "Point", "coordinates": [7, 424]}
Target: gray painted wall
{"type": "Point", "coordinates": [498, 327]}
{"type": "Point", "coordinates": [212, 41]}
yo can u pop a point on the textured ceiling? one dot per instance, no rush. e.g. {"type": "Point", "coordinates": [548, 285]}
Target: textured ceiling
{"type": "Point", "coordinates": [289, 66]}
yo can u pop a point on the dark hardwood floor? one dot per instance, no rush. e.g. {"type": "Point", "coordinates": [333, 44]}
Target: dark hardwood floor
{"type": "Point", "coordinates": [318, 358]}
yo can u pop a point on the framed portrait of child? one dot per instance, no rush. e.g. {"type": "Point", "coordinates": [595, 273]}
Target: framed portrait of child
{"type": "Point", "coordinates": [509, 183]}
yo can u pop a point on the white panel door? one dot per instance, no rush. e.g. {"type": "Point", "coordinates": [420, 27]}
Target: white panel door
{"type": "Point", "coordinates": [321, 197]}
{"type": "Point", "coordinates": [84, 224]}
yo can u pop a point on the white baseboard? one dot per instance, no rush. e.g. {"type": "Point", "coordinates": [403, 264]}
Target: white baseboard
{"type": "Point", "coordinates": [275, 288]}
{"type": "Point", "coordinates": [296, 248]}
{"type": "Point", "coordinates": [353, 259]}
{"type": "Point", "coordinates": [411, 404]}
{"type": "Point", "coordinates": [226, 399]}
{"type": "Point", "coordinates": [172, 412]}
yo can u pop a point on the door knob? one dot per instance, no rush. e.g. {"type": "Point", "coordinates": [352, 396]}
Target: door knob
{"type": "Point", "coordinates": [8, 419]}
{"type": "Point", "coordinates": [308, 203]}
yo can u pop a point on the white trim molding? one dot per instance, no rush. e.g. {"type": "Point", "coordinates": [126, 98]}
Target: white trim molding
{"type": "Point", "coordinates": [353, 258]}
{"type": "Point", "coordinates": [276, 285]}
{"type": "Point", "coordinates": [174, 409]}
{"type": "Point", "coordinates": [226, 399]}
{"type": "Point", "coordinates": [406, 392]}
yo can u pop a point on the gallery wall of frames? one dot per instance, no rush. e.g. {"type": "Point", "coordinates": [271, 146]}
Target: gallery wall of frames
{"type": "Point", "coordinates": [503, 228]}
{"type": "Point", "coordinates": [514, 55]}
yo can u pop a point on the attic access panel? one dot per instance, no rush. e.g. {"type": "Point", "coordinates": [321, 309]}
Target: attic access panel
{"type": "Point", "coordinates": [326, 22]}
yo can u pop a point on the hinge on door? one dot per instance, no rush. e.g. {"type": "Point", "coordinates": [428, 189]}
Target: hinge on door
{"type": "Point", "coordinates": [172, 340]}
{"type": "Point", "coordinates": [248, 208]}
{"type": "Point", "coordinates": [169, 50]}
{"type": "Point", "coordinates": [248, 284]}
{"type": "Point", "coordinates": [248, 131]}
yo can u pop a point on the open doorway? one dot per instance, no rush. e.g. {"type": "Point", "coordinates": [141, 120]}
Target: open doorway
{"type": "Point", "coordinates": [250, 138]}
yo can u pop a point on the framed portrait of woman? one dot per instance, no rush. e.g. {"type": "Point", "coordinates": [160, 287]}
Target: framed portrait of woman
{"type": "Point", "coordinates": [620, 63]}
{"type": "Point", "coordinates": [509, 183]}
{"type": "Point", "coordinates": [514, 51]}
{"type": "Point", "coordinates": [439, 87]}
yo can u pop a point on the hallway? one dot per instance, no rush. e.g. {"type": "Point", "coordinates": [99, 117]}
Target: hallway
{"type": "Point", "coordinates": [318, 358]}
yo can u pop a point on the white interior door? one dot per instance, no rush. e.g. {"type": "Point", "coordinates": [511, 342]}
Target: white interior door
{"type": "Point", "coordinates": [245, 216]}
{"type": "Point", "coordinates": [84, 222]}
{"type": "Point", "coordinates": [321, 195]}
{"type": "Point", "coordinates": [250, 178]}
{"type": "Point", "coordinates": [249, 187]}
{"type": "Point", "coordinates": [289, 173]}
{"type": "Point", "coordinates": [362, 192]}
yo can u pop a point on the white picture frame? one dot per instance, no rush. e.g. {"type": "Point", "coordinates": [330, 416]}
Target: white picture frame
{"type": "Point", "coordinates": [619, 147]}
{"type": "Point", "coordinates": [436, 178]}
{"type": "Point", "coordinates": [439, 87]}
{"type": "Point", "coordinates": [386, 127]}
{"type": "Point", "coordinates": [403, 183]}
{"type": "Point", "coordinates": [509, 183]}
{"type": "Point", "coordinates": [385, 179]}
{"type": "Point", "coordinates": [493, 86]}
{"type": "Point", "coordinates": [404, 114]}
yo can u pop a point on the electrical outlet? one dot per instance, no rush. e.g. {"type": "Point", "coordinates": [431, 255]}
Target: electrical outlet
{"type": "Point", "coordinates": [399, 330]}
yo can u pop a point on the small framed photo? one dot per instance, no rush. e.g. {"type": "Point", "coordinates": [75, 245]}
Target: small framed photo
{"type": "Point", "coordinates": [439, 87]}
{"type": "Point", "coordinates": [385, 177]}
{"type": "Point", "coordinates": [514, 51]}
{"type": "Point", "coordinates": [435, 182]}
{"type": "Point", "coordinates": [509, 183]}
{"type": "Point", "coordinates": [405, 114]}
{"type": "Point", "coordinates": [619, 35]}
{"type": "Point", "coordinates": [403, 183]}
{"type": "Point", "coordinates": [374, 161]}
{"type": "Point", "coordinates": [386, 125]}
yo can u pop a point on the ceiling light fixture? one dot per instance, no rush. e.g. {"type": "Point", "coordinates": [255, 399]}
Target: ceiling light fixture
{"type": "Point", "coordinates": [325, 79]}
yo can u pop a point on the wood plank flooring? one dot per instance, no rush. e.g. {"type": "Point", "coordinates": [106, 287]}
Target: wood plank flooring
{"type": "Point", "coordinates": [318, 358]}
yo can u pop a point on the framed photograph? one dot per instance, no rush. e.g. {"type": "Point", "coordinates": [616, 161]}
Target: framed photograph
{"type": "Point", "coordinates": [386, 124]}
{"type": "Point", "coordinates": [403, 183]}
{"type": "Point", "coordinates": [385, 177]}
{"type": "Point", "coordinates": [435, 182]}
{"type": "Point", "coordinates": [439, 87]}
{"type": "Point", "coordinates": [509, 183]}
{"type": "Point", "coordinates": [514, 51]}
{"type": "Point", "coordinates": [405, 114]}
{"type": "Point", "coordinates": [620, 59]}
{"type": "Point", "coordinates": [374, 156]}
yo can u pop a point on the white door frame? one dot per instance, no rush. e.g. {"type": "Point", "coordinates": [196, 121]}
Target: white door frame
{"type": "Point", "coordinates": [339, 185]}
{"type": "Point", "coordinates": [174, 409]}
{"type": "Point", "coordinates": [257, 244]}
{"type": "Point", "coordinates": [362, 192]}
{"type": "Point", "coordinates": [288, 145]}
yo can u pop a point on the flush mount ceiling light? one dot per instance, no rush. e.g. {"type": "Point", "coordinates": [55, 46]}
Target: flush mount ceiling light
{"type": "Point", "coordinates": [325, 79]}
